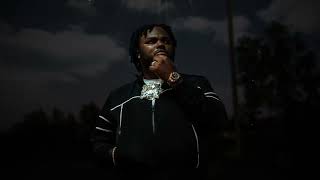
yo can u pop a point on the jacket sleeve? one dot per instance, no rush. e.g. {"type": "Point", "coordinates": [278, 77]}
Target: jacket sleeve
{"type": "Point", "coordinates": [198, 98]}
{"type": "Point", "coordinates": [103, 135]}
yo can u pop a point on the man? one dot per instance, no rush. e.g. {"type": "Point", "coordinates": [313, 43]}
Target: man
{"type": "Point", "coordinates": [162, 125]}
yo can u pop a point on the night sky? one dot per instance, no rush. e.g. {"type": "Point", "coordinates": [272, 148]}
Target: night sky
{"type": "Point", "coordinates": [66, 53]}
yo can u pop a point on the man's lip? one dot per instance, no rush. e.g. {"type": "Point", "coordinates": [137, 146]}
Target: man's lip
{"type": "Point", "coordinates": [161, 53]}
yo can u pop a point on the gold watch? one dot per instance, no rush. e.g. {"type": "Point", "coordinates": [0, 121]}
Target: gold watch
{"type": "Point", "coordinates": [174, 77]}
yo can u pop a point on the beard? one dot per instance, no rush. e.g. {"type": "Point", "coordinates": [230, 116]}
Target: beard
{"type": "Point", "coordinates": [145, 63]}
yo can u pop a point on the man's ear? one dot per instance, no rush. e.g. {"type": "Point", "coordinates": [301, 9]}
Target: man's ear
{"type": "Point", "coordinates": [138, 54]}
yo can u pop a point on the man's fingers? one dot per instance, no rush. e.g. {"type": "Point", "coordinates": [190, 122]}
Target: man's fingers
{"type": "Point", "coordinates": [153, 63]}
{"type": "Point", "coordinates": [153, 66]}
{"type": "Point", "coordinates": [159, 58]}
{"type": "Point", "coordinates": [154, 69]}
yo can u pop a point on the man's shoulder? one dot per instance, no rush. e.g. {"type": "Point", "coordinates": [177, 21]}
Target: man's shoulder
{"type": "Point", "coordinates": [198, 81]}
{"type": "Point", "coordinates": [194, 77]}
{"type": "Point", "coordinates": [124, 89]}
{"type": "Point", "coordinates": [118, 95]}
{"type": "Point", "coordinates": [123, 92]}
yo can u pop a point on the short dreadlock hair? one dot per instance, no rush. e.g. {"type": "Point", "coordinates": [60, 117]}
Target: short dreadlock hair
{"type": "Point", "coordinates": [135, 37]}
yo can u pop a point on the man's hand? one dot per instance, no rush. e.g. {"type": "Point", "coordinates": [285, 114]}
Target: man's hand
{"type": "Point", "coordinates": [162, 66]}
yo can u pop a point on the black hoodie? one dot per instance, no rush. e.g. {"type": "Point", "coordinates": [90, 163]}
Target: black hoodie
{"type": "Point", "coordinates": [170, 134]}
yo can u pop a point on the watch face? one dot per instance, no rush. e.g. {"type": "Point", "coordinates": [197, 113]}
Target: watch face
{"type": "Point", "coordinates": [175, 76]}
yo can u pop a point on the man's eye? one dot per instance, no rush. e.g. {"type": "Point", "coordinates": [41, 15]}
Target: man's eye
{"type": "Point", "coordinates": [166, 41]}
{"type": "Point", "coordinates": [151, 41]}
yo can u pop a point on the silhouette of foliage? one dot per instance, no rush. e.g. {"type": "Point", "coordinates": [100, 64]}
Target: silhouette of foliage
{"type": "Point", "coordinates": [280, 81]}
{"type": "Point", "coordinates": [275, 69]}
{"type": "Point", "coordinates": [52, 143]}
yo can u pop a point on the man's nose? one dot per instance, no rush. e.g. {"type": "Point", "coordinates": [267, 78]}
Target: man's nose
{"type": "Point", "coordinates": [160, 44]}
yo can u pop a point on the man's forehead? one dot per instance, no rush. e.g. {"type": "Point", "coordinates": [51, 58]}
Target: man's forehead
{"type": "Point", "coordinates": [155, 32]}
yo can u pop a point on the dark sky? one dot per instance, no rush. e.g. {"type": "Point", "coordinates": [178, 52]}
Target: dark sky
{"type": "Point", "coordinates": [65, 53]}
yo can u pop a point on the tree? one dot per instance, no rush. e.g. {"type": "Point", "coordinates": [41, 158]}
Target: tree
{"type": "Point", "coordinates": [276, 69]}
{"type": "Point", "coordinates": [279, 79]}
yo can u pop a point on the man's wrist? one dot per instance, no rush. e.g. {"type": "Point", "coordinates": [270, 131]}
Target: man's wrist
{"type": "Point", "coordinates": [174, 79]}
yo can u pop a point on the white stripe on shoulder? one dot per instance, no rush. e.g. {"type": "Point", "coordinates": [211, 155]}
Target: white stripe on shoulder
{"type": "Point", "coordinates": [207, 93]}
{"type": "Point", "coordinates": [214, 98]}
{"type": "Point", "coordinates": [124, 102]}
{"type": "Point", "coordinates": [105, 119]}
{"type": "Point", "coordinates": [166, 90]}
{"type": "Point", "coordinates": [101, 129]}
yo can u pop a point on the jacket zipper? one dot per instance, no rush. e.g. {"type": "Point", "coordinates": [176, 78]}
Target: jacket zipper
{"type": "Point", "coordinates": [153, 109]}
{"type": "Point", "coordinates": [197, 141]}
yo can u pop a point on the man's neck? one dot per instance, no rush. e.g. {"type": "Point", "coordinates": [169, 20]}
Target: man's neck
{"type": "Point", "coordinates": [149, 75]}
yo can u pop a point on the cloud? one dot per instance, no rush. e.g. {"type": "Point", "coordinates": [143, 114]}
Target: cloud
{"type": "Point", "coordinates": [192, 23]}
{"type": "Point", "coordinates": [85, 6]}
{"type": "Point", "coordinates": [5, 28]}
{"type": "Point", "coordinates": [150, 6]}
{"type": "Point", "coordinates": [301, 15]}
{"type": "Point", "coordinates": [71, 52]}
{"type": "Point", "coordinates": [218, 28]}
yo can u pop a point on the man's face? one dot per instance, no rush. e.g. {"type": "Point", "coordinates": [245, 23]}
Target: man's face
{"type": "Point", "coordinates": [155, 42]}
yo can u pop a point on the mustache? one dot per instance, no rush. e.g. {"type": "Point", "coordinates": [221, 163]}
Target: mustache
{"type": "Point", "coordinates": [160, 50]}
